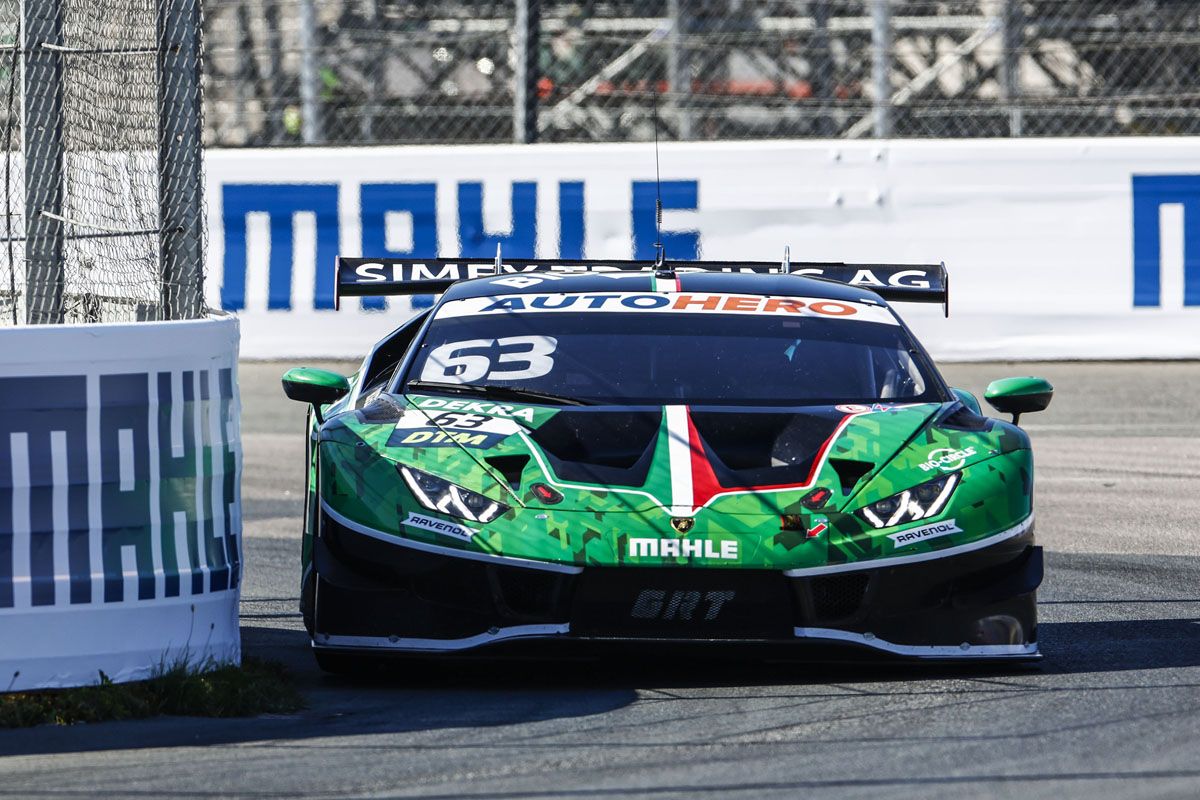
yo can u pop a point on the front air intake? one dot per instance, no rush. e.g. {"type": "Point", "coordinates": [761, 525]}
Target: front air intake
{"type": "Point", "coordinates": [837, 597]}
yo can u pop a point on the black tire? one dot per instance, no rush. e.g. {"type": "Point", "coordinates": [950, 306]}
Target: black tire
{"type": "Point", "coordinates": [308, 601]}
{"type": "Point", "coordinates": [344, 664]}
{"type": "Point", "coordinates": [308, 583]}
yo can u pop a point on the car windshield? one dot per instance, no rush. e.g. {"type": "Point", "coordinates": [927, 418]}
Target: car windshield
{"type": "Point", "coordinates": [656, 349]}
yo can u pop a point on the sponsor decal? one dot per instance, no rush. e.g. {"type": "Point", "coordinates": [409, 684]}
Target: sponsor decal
{"type": "Point", "coordinates": [817, 524]}
{"type": "Point", "coordinates": [422, 522]}
{"type": "Point", "coordinates": [947, 459]}
{"type": "Point", "coordinates": [925, 532]}
{"type": "Point", "coordinates": [491, 409]}
{"type": "Point", "coordinates": [525, 281]}
{"type": "Point", "coordinates": [432, 437]}
{"type": "Point", "coordinates": [855, 408]}
{"type": "Point", "coordinates": [910, 278]}
{"type": "Point", "coordinates": [370, 271]}
{"type": "Point", "coordinates": [450, 428]}
{"type": "Point", "coordinates": [684, 605]}
{"type": "Point", "coordinates": [681, 303]}
{"type": "Point", "coordinates": [683, 548]}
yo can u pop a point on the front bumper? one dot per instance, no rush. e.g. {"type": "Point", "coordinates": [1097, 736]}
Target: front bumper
{"type": "Point", "coordinates": [373, 595]}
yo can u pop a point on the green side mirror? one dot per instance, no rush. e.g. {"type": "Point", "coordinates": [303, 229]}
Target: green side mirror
{"type": "Point", "coordinates": [317, 387]}
{"type": "Point", "coordinates": [1019, 396]}
{"type": "Point", "coordinates": [969, 400]}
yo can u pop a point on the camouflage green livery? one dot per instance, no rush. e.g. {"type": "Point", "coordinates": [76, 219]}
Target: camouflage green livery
{"type": "Point", "coordinates": [593, 524]}
{"type": "Point", "coordinates": [586, 455]}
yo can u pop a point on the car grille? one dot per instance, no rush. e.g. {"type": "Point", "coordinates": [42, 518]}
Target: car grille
{"type": "Point", "coordinates": [838, 596]}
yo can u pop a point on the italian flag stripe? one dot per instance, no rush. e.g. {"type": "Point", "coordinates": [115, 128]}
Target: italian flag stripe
{"type": "Point", "coordinates": [693, 482]}
{"type": "Point", "coordinates": [666, 285]}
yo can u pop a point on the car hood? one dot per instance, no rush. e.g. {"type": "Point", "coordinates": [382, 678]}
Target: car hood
{"type": "Point", "coordinates": [678, 458]}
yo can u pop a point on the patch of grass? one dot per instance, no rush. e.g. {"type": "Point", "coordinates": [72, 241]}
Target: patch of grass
{"type": "Point", "coordinates": [212, 690]}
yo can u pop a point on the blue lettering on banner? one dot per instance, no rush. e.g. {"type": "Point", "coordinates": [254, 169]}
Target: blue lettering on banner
{"type": "Point", "coordinates": [43, 442]}
{"type": "Point", "coordinates": [1150, 193]}
{"type": "Point", "coordinates": [135, 495]}
{"type": "Point", "coordinates": [477, 242]}
{"type": "Point", "coordinates": [571, 230]}
{"type": "Point", "coordinates": [419, 201]}
{"type": "Point", "coordinates": [676, 196]}
{"type": "Point", "coordinates": [125, 498]}
{"type": "Point", "coordinates": [281, 202]}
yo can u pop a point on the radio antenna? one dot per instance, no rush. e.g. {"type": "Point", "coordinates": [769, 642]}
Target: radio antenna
{"type": "Point", "coordinates": [659, 252]}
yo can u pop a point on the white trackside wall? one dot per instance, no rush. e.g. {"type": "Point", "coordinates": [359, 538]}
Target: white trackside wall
{"type": "Point", "coordinates": [120, 521]}
{"type": "Point", "coordinates": [1068, 248]}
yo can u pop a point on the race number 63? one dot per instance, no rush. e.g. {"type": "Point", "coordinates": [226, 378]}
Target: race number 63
{"type": "Point", "coordinates": [508, 359]}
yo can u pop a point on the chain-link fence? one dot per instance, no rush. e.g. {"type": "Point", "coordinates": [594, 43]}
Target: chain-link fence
{"type": "Point", "coordinates": [102, 181]}
{"type": "Point", "coordinates": [383, 71]}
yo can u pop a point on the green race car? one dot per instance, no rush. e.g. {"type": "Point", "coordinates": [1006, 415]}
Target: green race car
{"type": "Point", "coordinates": [566, 457]}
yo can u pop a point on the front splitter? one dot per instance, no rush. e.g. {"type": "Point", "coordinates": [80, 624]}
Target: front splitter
{"type": "Point", "coordinates": [549, 640]}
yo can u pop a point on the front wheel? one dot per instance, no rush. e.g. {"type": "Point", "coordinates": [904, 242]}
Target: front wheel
{"type": "Point", "coordinates": [308, 601]}
{"type": "Point", "coordinates": [344, 664]}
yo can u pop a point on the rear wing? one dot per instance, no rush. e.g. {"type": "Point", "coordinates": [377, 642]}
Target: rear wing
{"type": "Point", "coordinates": [373, 277]}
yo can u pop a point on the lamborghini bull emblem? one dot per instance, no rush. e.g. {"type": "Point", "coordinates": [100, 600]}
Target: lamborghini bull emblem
{"type": "Point", "coordinates": [683, 524]}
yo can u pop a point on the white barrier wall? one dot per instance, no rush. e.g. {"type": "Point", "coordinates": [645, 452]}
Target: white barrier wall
{"type": "Point", "coordinates": [120, 521]}
{"type": "Point", "coordinates": [1086, 248]}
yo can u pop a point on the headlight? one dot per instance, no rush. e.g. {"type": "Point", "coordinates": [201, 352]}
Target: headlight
{"type": "Point", "coordinates": [919, 502]}
{"type": "Point", "coordinates": [438, 494]}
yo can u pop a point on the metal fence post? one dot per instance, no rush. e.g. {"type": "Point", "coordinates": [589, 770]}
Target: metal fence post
{"type": "Point", "coordinates": [881, 56]}
{"type": "Point", "coordinates": [310, 111]}
{"type": "Point", "coordinates": [42, 126]}
{"type": "Point", "coordinates": [1013, 38]}
{"type": "Point", "coordinates": [366, 125]}
{"type": "Point", "coordinates": [527, 25]}
{"type": "Point", "coordinates": [180, 177]}
{"type": "Point", "coordinates": [274, 129]}
{"type": "Point", "coordinates": [679, 73]}
{"type": "Point", "coordinates": [821, 74]}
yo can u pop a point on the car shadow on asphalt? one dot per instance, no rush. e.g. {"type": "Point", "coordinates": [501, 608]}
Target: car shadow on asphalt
{"type": "Point", "coordinates": [411, 695]}
{"type": "Point", "coordinates": [1119, 645]}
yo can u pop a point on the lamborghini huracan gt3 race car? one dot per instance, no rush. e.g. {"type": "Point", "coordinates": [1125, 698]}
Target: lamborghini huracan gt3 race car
{"type": "Point", "coordinates": [566, 456]}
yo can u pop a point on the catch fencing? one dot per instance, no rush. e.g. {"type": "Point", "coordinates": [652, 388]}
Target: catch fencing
{"type": "Point", "coordinates": [357, 72]}
{"type": "Point", "coordinates": [120, 459]}
{"type": "Point", "coordinates": [101, 114]}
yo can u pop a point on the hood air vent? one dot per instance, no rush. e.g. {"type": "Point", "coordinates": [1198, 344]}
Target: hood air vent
{"type": "Point", "coordinates": [764, 448]}
{"type": "Point", "coordinates": [850, 472]}
{"type": "Point", "coordinates": [510, 467]}
{"type": "Point", "coordinates": [612, 447]}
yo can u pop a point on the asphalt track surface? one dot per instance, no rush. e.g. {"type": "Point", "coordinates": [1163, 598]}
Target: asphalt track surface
{"type": "Point", "coordinates": [1112, 711]}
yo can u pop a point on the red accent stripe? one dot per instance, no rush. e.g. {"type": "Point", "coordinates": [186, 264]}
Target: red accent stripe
{"type": "Point", "coordinates": [812, 471]}
{"type": "Point", "coordinates": [678, 287]}
{"type": "Point", "coordinates": [704, 480]}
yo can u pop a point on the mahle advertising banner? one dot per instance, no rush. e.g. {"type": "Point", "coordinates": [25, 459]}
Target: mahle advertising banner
{"type": "Point", "coordinates": [1070, 248]}
{"type": "Point", "coordinates": [120, 514]}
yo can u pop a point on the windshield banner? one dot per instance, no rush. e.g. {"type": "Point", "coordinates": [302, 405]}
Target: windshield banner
{"type": "Point", "coordinates": [676, 303]}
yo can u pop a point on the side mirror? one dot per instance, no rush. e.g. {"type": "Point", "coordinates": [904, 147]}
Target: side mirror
{"type": "Point", "coordinates": [1019, 396]}
{"type": "Point", "coordinates": [317, 387]}
{"type": "Point", "coordinates": [969, 400]}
